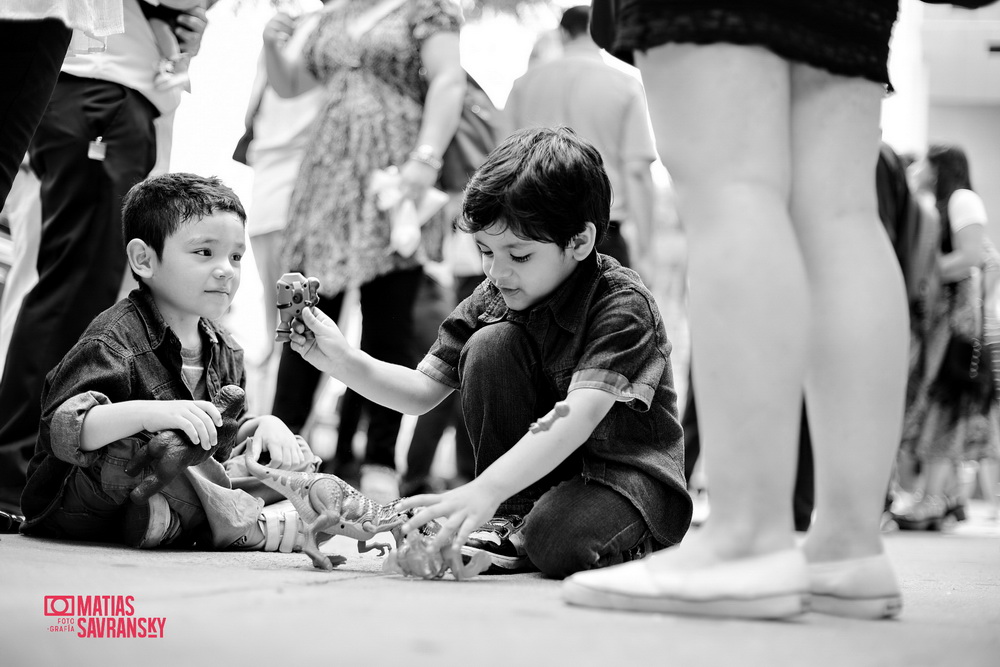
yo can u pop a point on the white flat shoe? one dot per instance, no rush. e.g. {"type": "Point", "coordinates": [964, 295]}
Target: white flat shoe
{"type": "Point", "coordinates": [774, 585]}
{"type": "Point", "coordinates": [856, 588]}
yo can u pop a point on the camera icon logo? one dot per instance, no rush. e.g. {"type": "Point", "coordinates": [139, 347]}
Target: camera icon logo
{"type": "Point", "coordinates": [60, 605]}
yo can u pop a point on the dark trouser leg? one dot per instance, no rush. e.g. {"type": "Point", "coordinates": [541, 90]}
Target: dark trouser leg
{"type": "Point", "coordinates": [503, 392]}
{"type": "Point", "coordinates": [80, 258]}
{"type": "Point", "coordinates": [803, 497]}
{"type": "Point", "coordinates": [31, 53]}
{"type": "Point", "coordinates": [692, 438]}
{"type": "Point", "coordinates": [423, 446]}
{"type": "Point", "coordinates": [614, 245]}
{"type": "Point", "coordinates": [387, 334]}
{"type": "Point", "coordinates": [297, 379]}
{"type": "Point", "coordinates": [581, 525]}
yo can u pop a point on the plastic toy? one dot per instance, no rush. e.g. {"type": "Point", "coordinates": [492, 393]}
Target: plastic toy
{"type": "Point", "coordinates": [295, 292]}
{"type": "Point", "coordinates": [170, 451]}
{"type": "Point", "coordinates": [545, 423]}
{"type": "Point", "coordinates": [417, 557]}
{"type": "Point", "coordinates": [328, 506]}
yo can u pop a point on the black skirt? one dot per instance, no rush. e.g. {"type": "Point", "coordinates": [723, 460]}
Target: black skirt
{"type": "Point", "coordinates": [845, 37]}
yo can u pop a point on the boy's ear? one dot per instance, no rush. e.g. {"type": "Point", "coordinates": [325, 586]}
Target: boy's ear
{"type": "Point", "coordinates": [140, 257]}
{"type": "Point", "coordinates": [583, 243]}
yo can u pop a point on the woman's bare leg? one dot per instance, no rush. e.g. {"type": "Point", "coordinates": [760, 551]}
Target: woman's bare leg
{"type": "Point", "coordinates": [721, 118]}
{"type": "Point", "coordinates": [856, 377]}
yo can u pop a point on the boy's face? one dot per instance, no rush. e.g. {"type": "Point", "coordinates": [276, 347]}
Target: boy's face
{"type": "Point", "coordinates": [526, 272]}
{"type": "Point", "coordinates": [198, 272]}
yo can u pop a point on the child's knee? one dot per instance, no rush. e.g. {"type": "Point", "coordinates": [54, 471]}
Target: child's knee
{"type": "Point", "coordinates": [495, 345]}
{"type": "Point", "coordinates": [558, 550]}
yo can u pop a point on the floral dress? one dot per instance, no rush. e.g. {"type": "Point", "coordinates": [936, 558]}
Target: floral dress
{"type": "Point", "coordinates": [370, 121]}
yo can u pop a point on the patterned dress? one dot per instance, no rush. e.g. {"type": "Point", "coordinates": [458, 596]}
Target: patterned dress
{"type": "Point", "coordinates": [370, 121]}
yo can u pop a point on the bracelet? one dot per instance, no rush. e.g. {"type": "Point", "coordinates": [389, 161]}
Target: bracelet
{"type": "Point", "coordinates": [425, 154]}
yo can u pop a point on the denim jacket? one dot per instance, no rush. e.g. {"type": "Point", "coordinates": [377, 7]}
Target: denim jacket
{"type": "Point", "coordinates": [127, 353]}
{"type": "Point", "coordinates": [600, 329]}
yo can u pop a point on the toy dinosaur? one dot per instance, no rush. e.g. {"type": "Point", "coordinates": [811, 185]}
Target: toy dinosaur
{"type": "Point", "coordinates": [560, 409]}
{"type": "Point", "coordinates": [295, 292]}
{"type": "Point", "coordinates": [417, 557]}
{"type": "Point", "coordinates": [328, 506]}
{"type": "Point", "coordinates": [169, 452]}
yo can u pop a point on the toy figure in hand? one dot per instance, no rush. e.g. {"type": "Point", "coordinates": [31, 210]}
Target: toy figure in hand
{"type": "Point", "coordinates": [295, 292]}
{"type": "Point", "coordinates": [169, 452]}
{"type": "Point", "coordinates": [418, 557]}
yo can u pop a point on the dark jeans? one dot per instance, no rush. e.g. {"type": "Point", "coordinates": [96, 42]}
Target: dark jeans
{"type": "Point", "coordinates": [386, 333]}
{"type": "Point", "coordinates": [31, 53]}
{"type": "Point", "coordinates": [80, 257]}
{"type": "Point", "coordinates": [571, 524]}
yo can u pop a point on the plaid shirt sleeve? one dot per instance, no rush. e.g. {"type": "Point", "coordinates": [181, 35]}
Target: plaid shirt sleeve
{"type": "Point", "coordinates": [626, 350]}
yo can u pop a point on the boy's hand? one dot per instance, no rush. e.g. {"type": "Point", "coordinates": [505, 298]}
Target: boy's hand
{"type": "Point", "coordinates": [279, 442]}
{"type": "Point", "coordinates": [462, 511]}
{"type": "Point", "coordinates": [196, 419]}
{"type": "Point", "coordinates": [327, 348]}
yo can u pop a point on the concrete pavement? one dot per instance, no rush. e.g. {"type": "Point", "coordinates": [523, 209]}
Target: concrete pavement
{"type": "Point", "coordinates": [275, 609]}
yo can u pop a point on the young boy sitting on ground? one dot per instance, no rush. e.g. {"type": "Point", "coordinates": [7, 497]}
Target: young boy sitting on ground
{"type": "Point", "coordinates": [152, 362]}
{"type": "Point", "coordinates": [553, 322]}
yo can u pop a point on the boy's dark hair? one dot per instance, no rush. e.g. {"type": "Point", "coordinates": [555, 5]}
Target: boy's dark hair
{"type": "Point", "coordinates": [543, 184]}
{"type": "Point", "coordinates": [156, 207]}
{"type": "Point", "coordinates": [576, 20]}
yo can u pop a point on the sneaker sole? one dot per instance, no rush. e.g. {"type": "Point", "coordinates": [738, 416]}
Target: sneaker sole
{"type": "Point", "coordinates": [865, 608]}
{"type": "Point", "coordinates": [773, 607]}
{"type": "Point", "coordinates": [500, 564]}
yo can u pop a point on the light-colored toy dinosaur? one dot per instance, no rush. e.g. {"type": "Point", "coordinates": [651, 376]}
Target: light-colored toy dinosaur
{"type": "Point", "coordinates": [328, 506]}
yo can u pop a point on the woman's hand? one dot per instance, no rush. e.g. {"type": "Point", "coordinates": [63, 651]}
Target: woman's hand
{"type": "Point", "coordinates": [415, 178]}
{"type": "Point", "coordinates": [190, 29]}
{"type": "Point", "coordinates": [279, 30]}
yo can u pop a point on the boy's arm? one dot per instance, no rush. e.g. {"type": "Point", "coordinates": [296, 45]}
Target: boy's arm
{"type": "Point", "coordinates": [535, 455]}
{"type": "Point", "coordinates": [110, 422]}
{"type": "Point", "coordinates": [403, 389]}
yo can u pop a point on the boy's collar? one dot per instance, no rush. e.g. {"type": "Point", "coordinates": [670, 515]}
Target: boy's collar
{"type": "Point", "coordinates": [156, 326]}
{"type": "Point", "coordinates": [570, 301]}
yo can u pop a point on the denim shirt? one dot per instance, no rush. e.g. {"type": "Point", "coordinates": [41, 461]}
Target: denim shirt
{"type": "Point", "coordinates": [600, 329]}
{"type": "Point", "coordinates": [128, 353]}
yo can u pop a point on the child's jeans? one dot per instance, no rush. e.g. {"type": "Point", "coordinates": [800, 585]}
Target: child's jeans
{"type": "Point", "coordinates": [571, 523]}
{"type": "Point", "coordinates": [218, 500]}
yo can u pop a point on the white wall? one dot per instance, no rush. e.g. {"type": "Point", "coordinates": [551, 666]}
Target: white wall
{"type": "Point", "coordinates": [976, 129]}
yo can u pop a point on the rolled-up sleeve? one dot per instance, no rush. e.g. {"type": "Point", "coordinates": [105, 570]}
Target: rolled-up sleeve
{"type": "Point", "coordinates": [441, 361]}
{"type": "Point", "coordinates": [623, 355]}
{"type": "Point", "coordinates": [92, 373]}
{"type": "Point", "coordinates": [67, 428]}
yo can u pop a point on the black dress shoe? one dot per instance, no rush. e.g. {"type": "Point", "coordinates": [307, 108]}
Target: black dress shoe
{"type": "Point", "coordinates": [9, 522]}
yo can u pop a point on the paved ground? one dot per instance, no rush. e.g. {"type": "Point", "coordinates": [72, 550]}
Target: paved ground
{"type": "Point", "coordinates": [270, 609]}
